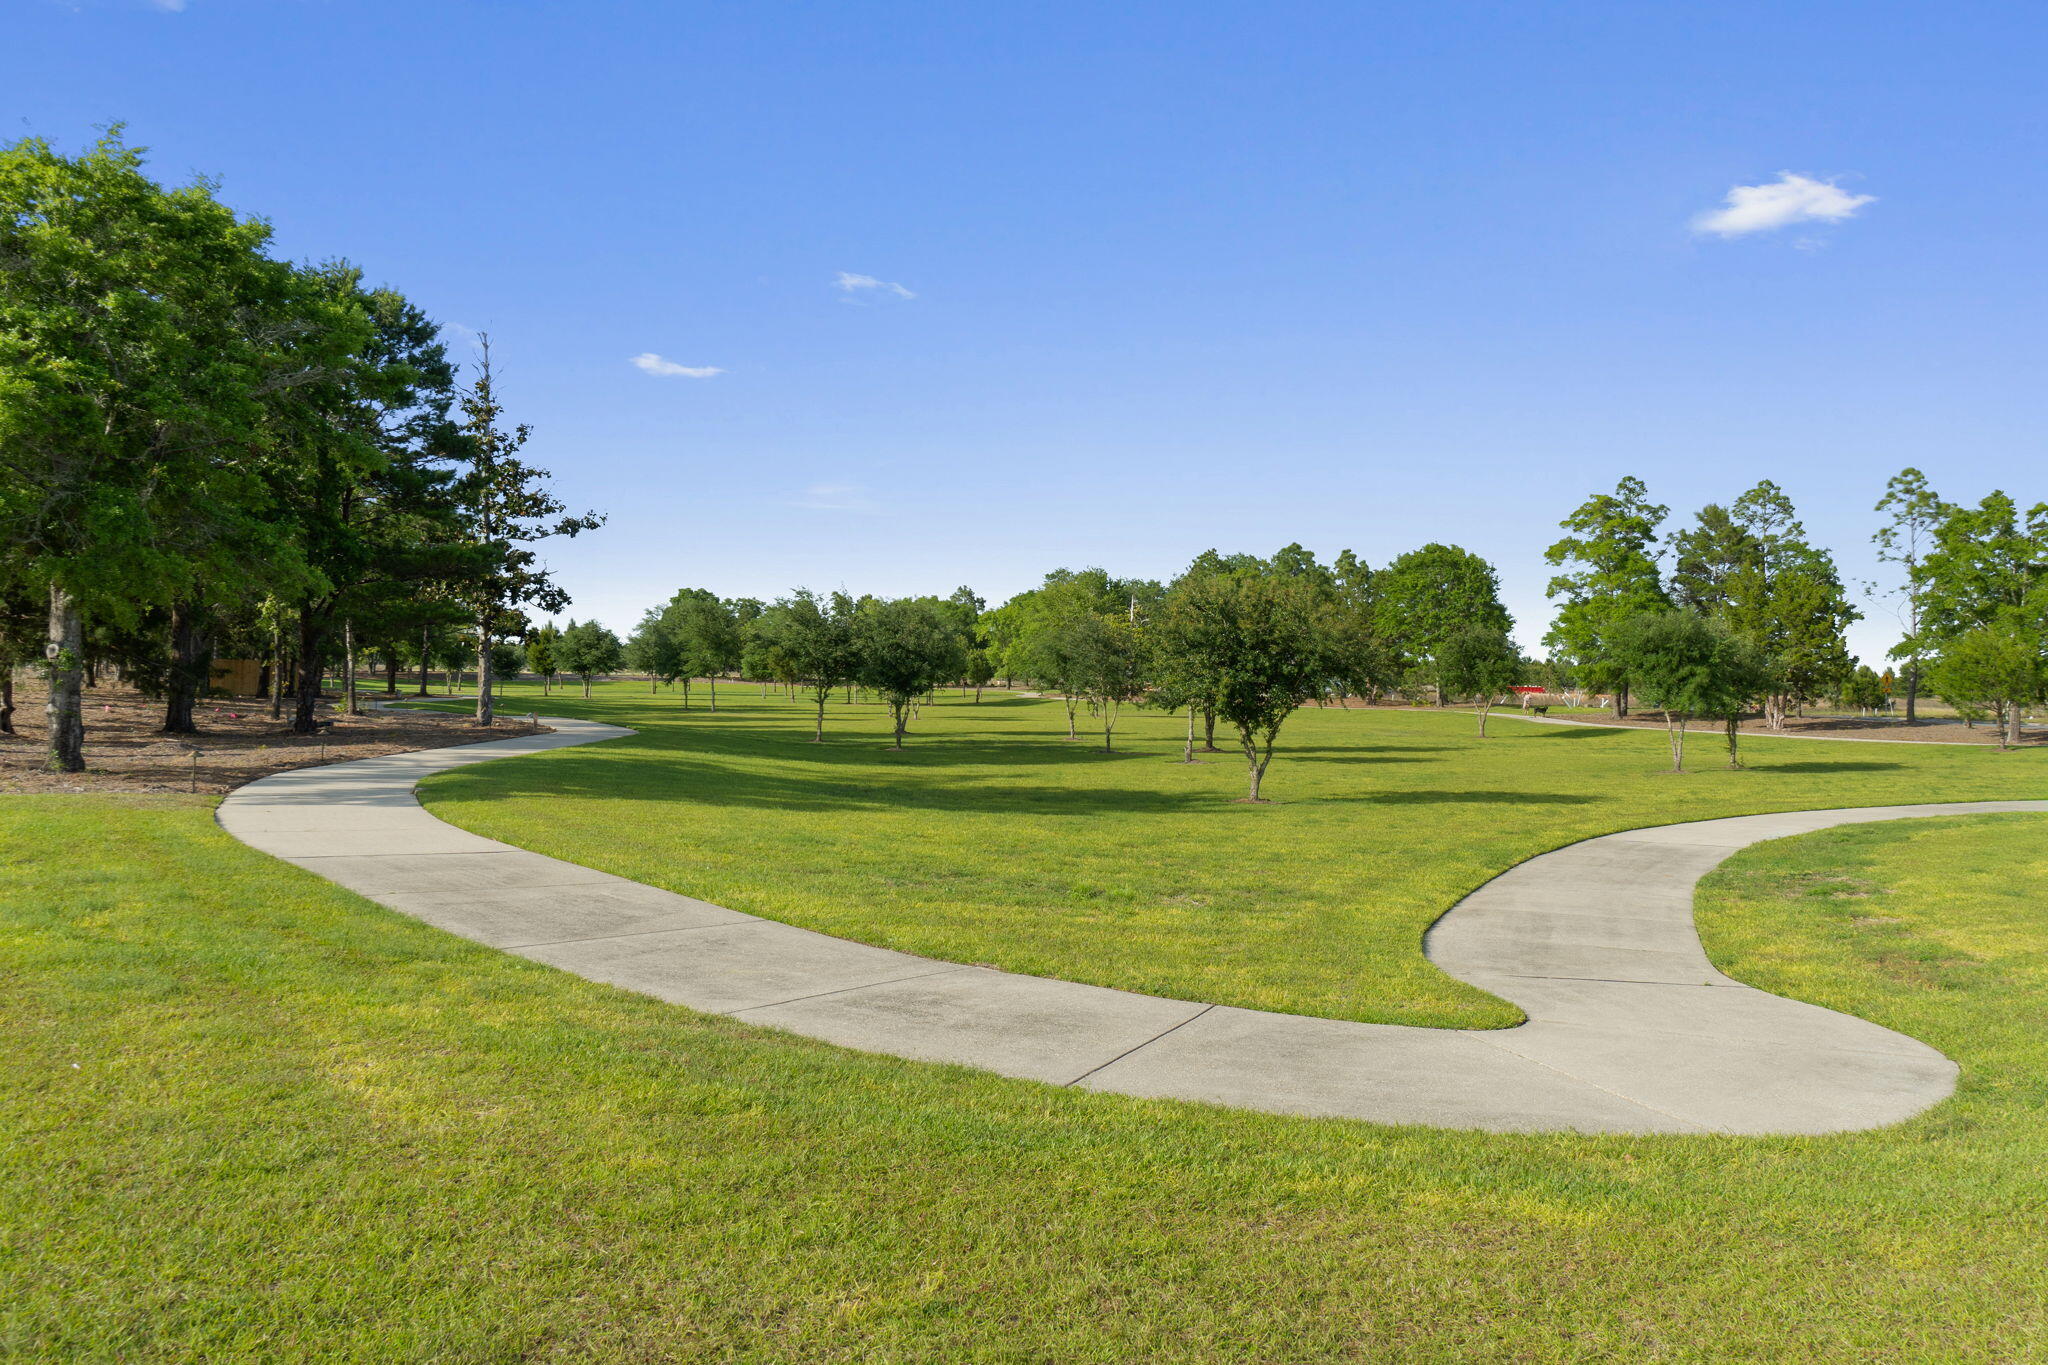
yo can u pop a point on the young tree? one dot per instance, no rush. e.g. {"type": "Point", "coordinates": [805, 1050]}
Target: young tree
{"type": "Point", "coordinates": [506, 508]}
{"type": "Point", "coordinates": [589, 649]}
{"type": "Point", "coordinates": [1611, 575]}
{"type": "Point", "coordinates": [707, 637]}
{"type": "Point", "coordinates": [1258, 645]}
{"type": "Point", "coordinates": [1109, 665]}
{"type": "Point", "coordinates": [1479, 662]}
{"type": "Point", "coordinates": [812, 638]}
{"type": "Point", "coordinates": [654, 650]}
{"type": "Point", "coordinates": [1426, 597]}
{"type": "Point", "coordinates": [540, 655]}
{"type": "Point", "coordinates": [906, 647]}
{"type": "Point", "coordinates": [1678, 661]}
{"type": "Point", "coordinates": [1915, 513]}
{"type": "Point", "coordinates": [1996, 668]}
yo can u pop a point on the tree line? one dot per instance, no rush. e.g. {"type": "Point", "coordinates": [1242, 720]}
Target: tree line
{"type": "Point", "coordinates": [1736, 613]}
{"type": "Point", "coordinates": [207, 450]}
{"type": "Point", "coordinates": [1739, 611]}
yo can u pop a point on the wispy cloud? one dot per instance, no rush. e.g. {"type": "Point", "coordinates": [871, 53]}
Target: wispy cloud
{"type": "Point", "coordinates": [647, 362]}
{"type": "Point", "coordinates": [1787, 200]}
{"type": "Point", "coordinates": [851, 286]}
{"type": "Point", "coordinates": [168, 6]}
{"type": "Point", "coordinates": [837, 497]}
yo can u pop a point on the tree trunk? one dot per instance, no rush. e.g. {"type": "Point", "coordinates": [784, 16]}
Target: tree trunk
{"type": "Point", "coordinates": [899, 709]}
{"type": "Point", "coordinates": [1258, 771]}
{"type": "Point", "coordinates": [1734, 731]}
{"type": "Point", "coordinates": [1674, 729]}
{"type": "Point", "coordinates": [1209, 731]}
{"type": "Point", "coordinates": [349, 704]}
{"type": "Point", "coordinates": [1621, 703]}
{"type": "Point", "coordinates": [306, 703]}
{"type": "Point", "coordinates": [426, 656]}
{"type": "Point", "coordinates": [277, 672]}
{"type": "Point", "coordinates": [390, 670]}
{"type": "Point", "coordinates": [64, 651]}
{"type": "Point", "coordinates": [1485, 705]}
{"type": "Point", "coordinates": [1069, 700]}
{"type": "Point", "coordinates": [818, 734]}
{"type": "Point", "coordinates": [189, 669]}
{"type": "Point", "coordinates": [1188, 754]}
{"type": "Point", "coordinates": [485, 712]}
{"type": "Point", "coordinates": [586, 684]}
{"type": "Point", "coordinates": [2012, 725]}
{"type": "Point", "coordinates": [6, 699]}
{"type": "Point", "coordinates": [1912, 687]}
{"type": "Point", "coordinates": [713, 680]}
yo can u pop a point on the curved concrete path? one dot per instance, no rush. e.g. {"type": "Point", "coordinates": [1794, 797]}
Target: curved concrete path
{"type": "Point", "coordinates": [1631, 1030]}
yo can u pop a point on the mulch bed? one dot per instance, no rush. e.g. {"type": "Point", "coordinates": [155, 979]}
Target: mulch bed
{"type": "Point", "coordinates": [238, 742]}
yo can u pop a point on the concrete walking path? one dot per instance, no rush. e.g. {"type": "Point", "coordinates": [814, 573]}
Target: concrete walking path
{"type": "Point", "coordinates": [1631, 1030]}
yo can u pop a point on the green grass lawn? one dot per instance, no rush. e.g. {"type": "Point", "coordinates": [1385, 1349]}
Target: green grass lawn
{"type": "Point", "coordinates": [993, 839]}
{"type": "Point", "coordinates": [249, 1116]}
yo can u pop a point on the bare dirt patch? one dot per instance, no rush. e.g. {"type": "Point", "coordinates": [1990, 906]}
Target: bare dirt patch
{"type": "Point", "coordinates": [238, 742]}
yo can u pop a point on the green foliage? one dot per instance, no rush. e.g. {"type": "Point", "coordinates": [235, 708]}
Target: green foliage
{"type": "Point", "coordinates": [1427, 596]}
{"type": "Point", "coordinates": [1481, 662]}
{"type": "Point", "coordinates": [1255, 645]}
{"type": "Point", "coordinates": [588, 650]}
{"type": "Point", "coordinates": [1687, 665]}
{"type": "Point", "coordinates": [1996, 668]}
{"type": "Point", "coordinates": [810, 639]}
{"type": "Point", "coordinates": [906, 646]}
{"type": "Point", "coordinates": [541, 647]}
{"type": "Point", "coordinates": [1610, 563]}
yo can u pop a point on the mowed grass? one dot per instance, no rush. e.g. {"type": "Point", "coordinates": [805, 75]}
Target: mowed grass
{"type": "Point", "coordinates": [247, 1116]}
{"type": "Point", "coordinates": [993, 839]}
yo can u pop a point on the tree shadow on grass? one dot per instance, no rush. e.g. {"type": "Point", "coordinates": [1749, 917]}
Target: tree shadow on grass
{"type": "Point", "coordinates": [1477, 798]}
{"type": "Point", "coordinates": [569, 775]}
{"type": "Point", "coordinates": [1816, 766]}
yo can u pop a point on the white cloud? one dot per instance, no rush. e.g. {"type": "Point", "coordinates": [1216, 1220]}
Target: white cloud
{"type": "Point", "coordinates": [837, 497]}
{"type": "Point", "coordinates": [650, 363]}
{"type": "Point", "coordinates": [1787, 200]}
{"type": "Point", "coordinates": [850, 284]}
{"type": "Point", "coordinates": [168, 6]}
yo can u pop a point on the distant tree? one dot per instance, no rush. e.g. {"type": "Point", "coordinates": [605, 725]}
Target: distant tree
{"type": "Point", "coordinates": [1683, 663]}
{"type": "Point", "coordinates": [1109, 666]}
{"type": "Point", "coordinates": [652, 649]}
{"type": "Point", "coordinates": [508, 657]}
{"type": "Point", "coordinates": [1258, 645]}
{"type": "Point", "coordinates": [1995, 668]}
{"type": "Point", "coordinates": [588, 650]}
{"type": "Point", "coordinates": [1783, 595]}
{"type": "Point", "coordinates": [1610, 575]}
{"type": "Point", "coordinates": [506, 507]}
{"type": "Point", "coordinates": [707, 637]}
{"type": "Point", "coordinates": [540, 655]}
{"type": "Point", "coordinates": [906, 647]}
{"type": "Point", "coordinates": [1904, 541]}
{"type": "Point", "coordinates": [1863, 689]}
{"type": "Point", "coordinates": [812, 639]}
{"type": "Point", "coordinates": [1480, 662]}
{"type": "Point", "coordinates": [1429, 595]}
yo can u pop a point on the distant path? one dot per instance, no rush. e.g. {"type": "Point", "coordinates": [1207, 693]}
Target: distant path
{"type": "Point", "coordinates": [1631, 1030]}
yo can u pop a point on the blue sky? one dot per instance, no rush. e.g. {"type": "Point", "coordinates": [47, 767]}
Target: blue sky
{"type": "Point", "coordinates": [1144, 278]}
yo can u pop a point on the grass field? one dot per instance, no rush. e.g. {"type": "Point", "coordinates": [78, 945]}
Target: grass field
{"type": "Point", "coordinates": [248, 1116]}
{"type": "Point", "coordinates": [993, 839]}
